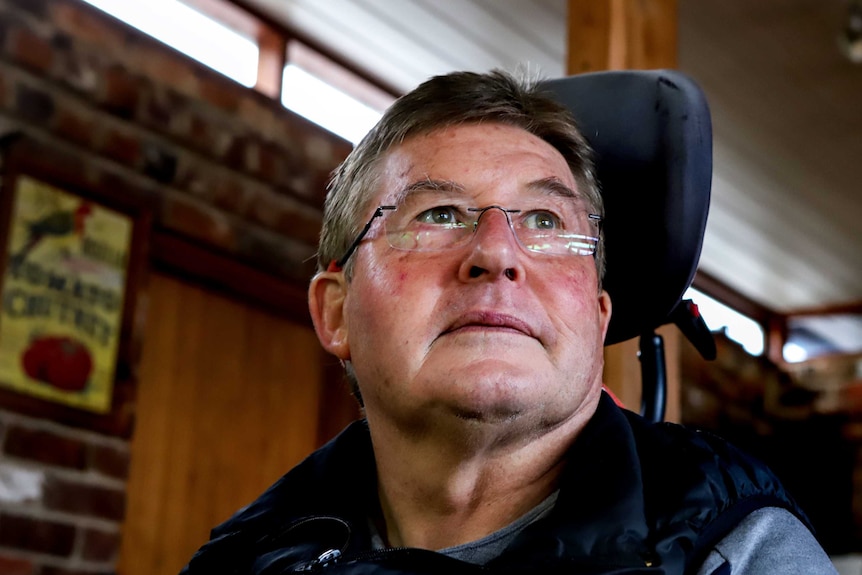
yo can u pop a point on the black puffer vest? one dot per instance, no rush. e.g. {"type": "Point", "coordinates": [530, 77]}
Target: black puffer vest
{"type": "Point", "coordinates": [635, 498]}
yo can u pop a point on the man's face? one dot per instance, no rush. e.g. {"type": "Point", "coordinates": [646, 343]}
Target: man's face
{"type": "Point", "coordinates": [487, 331]}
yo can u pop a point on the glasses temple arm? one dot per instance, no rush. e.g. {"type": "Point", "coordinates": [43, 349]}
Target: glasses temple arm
{"type": "Point", "coordinates": [339, 265]}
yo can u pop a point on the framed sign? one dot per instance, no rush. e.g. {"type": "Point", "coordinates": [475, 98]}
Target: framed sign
{"type": "Point", "coordinates": [73, 259]}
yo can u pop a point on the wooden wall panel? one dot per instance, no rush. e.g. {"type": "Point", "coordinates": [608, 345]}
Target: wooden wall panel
{"type": "Point", "coordinates": [621, 35]}
{"type": "Point", "coordinates": [228, 401]}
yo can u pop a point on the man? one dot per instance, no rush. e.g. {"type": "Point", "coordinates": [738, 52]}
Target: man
{"type": "Point", "coordinates": [469, 314]}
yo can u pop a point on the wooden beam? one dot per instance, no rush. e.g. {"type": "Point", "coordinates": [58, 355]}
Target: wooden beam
{"type": "Point", "coordinates": [202, 266]}
{"type": "Point", "coordinates": [621, 35]}
{"type": "Point", "coordinates": [589, 42]}
{"type": "Point", "coordinates": [271, 61]}
{"type": "Point", "coordinates": [616, 35]}
{"type": "Point", "coordinates": [775, 338]}
{"type": "Point", "coordinates": [848, 308]}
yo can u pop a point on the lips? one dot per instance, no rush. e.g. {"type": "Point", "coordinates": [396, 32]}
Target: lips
{"type": "Point", "coordinates": [490, 320]}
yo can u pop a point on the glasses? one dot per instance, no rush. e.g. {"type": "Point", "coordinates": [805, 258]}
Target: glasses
{"type": "Point", "coordinates": [560, 228]}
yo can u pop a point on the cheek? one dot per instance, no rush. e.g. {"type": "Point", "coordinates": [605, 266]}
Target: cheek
{"type": "Point", "coordinates": [387, 297]}
{"type": "Point", "coordinates": [576, 302]}
{"type": "Point", "coordinates": [581, 286]}
{"type": "Point", "coordinates": [399, 284]}
{"type": "Point", "coordinates": [389, 279]}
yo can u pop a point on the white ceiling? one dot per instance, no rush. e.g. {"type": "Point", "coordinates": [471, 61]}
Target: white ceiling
{"type": "Point", "coordinates": [785, 227]}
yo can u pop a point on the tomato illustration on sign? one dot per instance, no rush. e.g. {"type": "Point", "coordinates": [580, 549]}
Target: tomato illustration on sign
{"type": "Point", "coordinates": [59, 361]}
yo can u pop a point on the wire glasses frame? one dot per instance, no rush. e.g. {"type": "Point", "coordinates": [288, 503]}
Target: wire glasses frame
{"type": "Point", "coordinates": [379, 212]}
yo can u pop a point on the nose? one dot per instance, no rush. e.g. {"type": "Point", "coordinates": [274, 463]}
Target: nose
{"type": "Point", "coordinates": [493, 252]}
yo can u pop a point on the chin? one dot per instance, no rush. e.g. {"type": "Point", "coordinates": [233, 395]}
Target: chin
{"type": "Point", "coordinates": [498, 398]}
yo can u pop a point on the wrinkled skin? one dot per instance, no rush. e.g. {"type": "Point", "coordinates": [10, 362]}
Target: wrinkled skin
{"type": "Point", "coordinates": [486, 335]}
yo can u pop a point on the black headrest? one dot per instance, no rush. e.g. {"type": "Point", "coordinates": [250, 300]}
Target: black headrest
{"type": "Point", "coordinates": [652, 137]}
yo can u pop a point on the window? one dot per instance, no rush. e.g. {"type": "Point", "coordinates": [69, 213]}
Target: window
{"type": "Point", "coordinates": [794, 352]}
{"type": "Point", "coordinates": [330, 95]}
{"type": "Point", "coordinates": [192, 33]}
{"type": "Point", "coordinates": [738, 327]}
{"type": "Point", "coordinates": [312, 85]}
{"type": "Point", "coordinates": [827, 333]}
{"type": "Point", "coordinates": [325, 105]}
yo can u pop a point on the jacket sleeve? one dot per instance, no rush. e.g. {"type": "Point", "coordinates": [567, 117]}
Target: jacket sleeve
{"type": "Point", "coordinates": [769, 541]}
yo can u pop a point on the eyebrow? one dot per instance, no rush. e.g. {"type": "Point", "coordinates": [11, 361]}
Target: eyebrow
{"type": "Point", "coordinates": [429, 185]}
{"type": "Point", "coordinates": [552, 186]}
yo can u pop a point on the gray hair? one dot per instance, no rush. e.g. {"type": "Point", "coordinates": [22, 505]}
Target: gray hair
{"type": "Point", "coordinates": [440, 102]}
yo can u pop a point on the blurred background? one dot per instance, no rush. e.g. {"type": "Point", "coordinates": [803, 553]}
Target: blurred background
{"type": "Point", "coordinates": [210, 127]}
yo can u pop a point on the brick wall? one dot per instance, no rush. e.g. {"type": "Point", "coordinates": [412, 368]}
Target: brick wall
{"type": "Point", "coordinates": [62, 497]}
{"type": "Point", "coordinates": [224, 169]}
{"type": "Point", "coordinates": [224, 166]}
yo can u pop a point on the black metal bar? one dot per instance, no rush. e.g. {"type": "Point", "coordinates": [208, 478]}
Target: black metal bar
{"type": "Point", "coordinates": [653, 377]}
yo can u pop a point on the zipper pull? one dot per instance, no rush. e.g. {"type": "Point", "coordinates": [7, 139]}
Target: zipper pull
{"type": "Point", "coordinates": [324, 559]}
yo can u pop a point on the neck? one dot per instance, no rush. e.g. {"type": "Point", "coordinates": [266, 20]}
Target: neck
{"type": "Point", "coordinates": [443, 489]}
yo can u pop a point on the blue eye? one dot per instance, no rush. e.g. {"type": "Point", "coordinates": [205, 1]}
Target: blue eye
{"type": "Point", "coordinates": [440, 215]}
{"type": "Point", "coordinates": [541, 220]}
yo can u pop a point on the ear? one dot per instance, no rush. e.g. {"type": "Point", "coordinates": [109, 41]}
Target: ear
{"type": "Point", "coordinates": [604, 312]}
{"type": "Point", "coordinates": [326, 297]}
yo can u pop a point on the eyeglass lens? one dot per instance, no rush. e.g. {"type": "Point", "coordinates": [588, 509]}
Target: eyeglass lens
{"type": "Point", "coordinates": [428, 222]}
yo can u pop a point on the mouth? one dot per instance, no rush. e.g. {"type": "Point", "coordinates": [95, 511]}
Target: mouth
{"type": "Point", "coordinates": [486, 321]}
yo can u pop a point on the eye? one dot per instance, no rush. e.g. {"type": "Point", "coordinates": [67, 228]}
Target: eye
{"type": "Point", "coordinates": [541, 220]}
{"type": "Point", "coordinates": [439, 216]}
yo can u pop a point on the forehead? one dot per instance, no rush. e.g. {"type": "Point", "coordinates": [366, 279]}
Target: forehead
{"type": "Point", "coordinates": [477, 159]}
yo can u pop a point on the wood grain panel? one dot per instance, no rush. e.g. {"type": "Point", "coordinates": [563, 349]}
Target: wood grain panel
{"type": "Point", "coordinates": [621, 35]}
{"type": "Point", "coordinates": [228, 401]}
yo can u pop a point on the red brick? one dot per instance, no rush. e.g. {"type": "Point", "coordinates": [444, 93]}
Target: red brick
{"type": "Point", "coordinates": [74, 126]}
{"type": "Point", "coordinates": [45, 447]}
{"type": "Point", "coordinates": [162, 109]}
{"type": "Point", "coordinates": [276, 213]}
{"type": "Point", "coordinates": [83, 21]}
{"type": "Point", "coordinates": [231, 195]}
{"type": "Point", "coordinates": [200, 131]}
{"type": "Point", "coordinates": [123, 147]}
{"type": "Point", "coordinates": [219, 140]}
{"type": "Point", "coordinates": [159, 162]}
{"type": "Point", "coordinates": [120, 91]}
{"type": "Point", "coordinates": [261, 114]}
{"type": "Point", "coordinates": [37, 535]}
{"type": "Point", "coordinates": [33, 104]}
{"type": "Point", "coordinates": [164, 68]}
{"type": "Point", "coordinates": [101, 545]}
{"type": "Point", "coordinates": [300, 227]}
{"type": "Point", "coordinates": [196, 178]}
{"type": "Point", "coordinates": [84, 499]}
{"type": "Point", "coordinates": [265, 208]}
{"type": "Point", "coordinates": [196, 220]}
{"type": "Point", "coordinates": [145, 196]}
{"type": "Point", "coordinates": [35, 7]}
{"type": "Point", "coordinates": [271, 162]}
{"type": "Point", "coordinates": [109, 461]}
{"type": "Point", "coordinates": [251, 159]}
{"type": "Point", "coordinates": [236, 152]}
{"type": "Point", "coordinates": [15, 566]}
{"type": "Point", "coordinates": [219, 92]}
{"type": "Point", "coordinates": [31, 50]}
{"type": "Point", "coordinates": [304, 179]}
{"type": "Point", "coordinates": [81, 71]}
{"type": "Point", "coordinates": [275, 255]}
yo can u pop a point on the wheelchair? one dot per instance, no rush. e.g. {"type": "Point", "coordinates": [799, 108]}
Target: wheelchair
{"type": "Point", "coordinates": [651, 134]}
